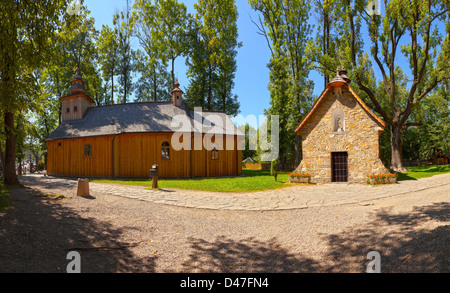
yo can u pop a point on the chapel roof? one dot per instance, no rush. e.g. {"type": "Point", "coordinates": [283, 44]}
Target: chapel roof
{"type": "Point", "coordinates": [145, 117]}
{"type": "Point", "coordinates": [341, 79]}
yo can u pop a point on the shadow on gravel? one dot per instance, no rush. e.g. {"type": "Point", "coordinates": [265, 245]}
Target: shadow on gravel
{"type": "Point", "coordinates": [405, 244]}
{"type": "Point", "coordinates": [37, 234]}
{"type": "Point", "coordinates": [225, 255]}
{"type": "Point", "coordinates": [416, 241]}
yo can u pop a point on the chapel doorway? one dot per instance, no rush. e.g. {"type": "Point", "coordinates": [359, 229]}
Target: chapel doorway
{"type": "Point", "coordinates": [339, 167]}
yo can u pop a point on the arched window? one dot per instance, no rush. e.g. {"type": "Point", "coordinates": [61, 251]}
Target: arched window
{"type": "Point", "coordinates": [165, 151]}
{"type": "Point", "coordinates": [214, 152]}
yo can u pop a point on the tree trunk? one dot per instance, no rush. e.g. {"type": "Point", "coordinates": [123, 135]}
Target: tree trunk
{"type": "Point", "coordinates": [173, 71]}
{"type": "Point", "coordinates": [155, 85]}
{"type": "Point", "coordinates": [326, 41]}
{"type": "Point", "coordinates": [209, 99]}
{"type": "Point", "coordinates": [282, 164]}
{"type": "Point", "coordinates": [2, 159]}
{"type": "Point", "coordinates": [112, 87]}
{"type": "Point", "coordinates": [125, 86]}
{"type": "Point", "coordinates": [10, 150]}
{"type": "Point", "coordinates": [298, 148]}
{"type": "Point", "coordinates": [396, 148]}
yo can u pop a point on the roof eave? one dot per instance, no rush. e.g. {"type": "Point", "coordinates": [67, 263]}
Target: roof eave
{"type": "Point", "coordinates": [328, 87]}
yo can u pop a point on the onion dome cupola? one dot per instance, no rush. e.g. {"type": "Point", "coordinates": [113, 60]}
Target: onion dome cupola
{"type": "Point", "coordinates": [77, 86]}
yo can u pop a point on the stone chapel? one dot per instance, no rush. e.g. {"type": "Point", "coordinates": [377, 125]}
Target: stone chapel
{"type": "Point", "coordinates": [340, 136]}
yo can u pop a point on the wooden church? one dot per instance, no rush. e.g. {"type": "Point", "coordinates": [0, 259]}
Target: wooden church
{"type": "Point", "coordinates": [125, 140]}
{"type": "Point", "coordinates": [340, 136]}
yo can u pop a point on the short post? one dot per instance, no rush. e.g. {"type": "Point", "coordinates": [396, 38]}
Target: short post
{"type": "Point", "coordinates": [83, 187]}
{"type": "Point", "coordinates": [154, 176]}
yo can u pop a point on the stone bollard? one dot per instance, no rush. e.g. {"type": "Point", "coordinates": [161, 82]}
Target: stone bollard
{"type": "Point", "coordinates": [154, 176]}
{"type": "Point", "coordinates": [83, 187]}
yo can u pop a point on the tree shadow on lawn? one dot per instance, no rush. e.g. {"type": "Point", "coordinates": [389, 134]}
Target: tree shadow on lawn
{"type": "Point", "coordinates": [404, 176]}
{"type": "Point", "coordinates": [426, 170]}
{"type": "Point", "coordinates": [404, 242]}
{"type": "Point", "coordinates": [37, 234]}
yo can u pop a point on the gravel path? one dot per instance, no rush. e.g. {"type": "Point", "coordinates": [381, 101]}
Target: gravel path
{"type": "Point", "coordinates": [295, 197]}
{"type": "Point", "coordinates": [121, 234]}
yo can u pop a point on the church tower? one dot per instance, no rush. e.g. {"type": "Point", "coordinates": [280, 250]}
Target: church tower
{"type": "Point", "coordinates": [177, 95]}
{"type": "Point", "coordinates": [74, 106]}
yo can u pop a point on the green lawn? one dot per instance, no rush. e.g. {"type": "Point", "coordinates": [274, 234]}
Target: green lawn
{"type": "Point", "coordinates": [254, 180]}
{"type": "Point", "coordinates": [416, 172]}
{"type": "Point", "coordinates": [257, 180]}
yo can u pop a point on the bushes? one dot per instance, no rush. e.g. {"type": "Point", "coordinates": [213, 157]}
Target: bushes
{"type": "Point", "coordinates": [41, 166]}
{"type": "Point", "coordinates": [274, 169]}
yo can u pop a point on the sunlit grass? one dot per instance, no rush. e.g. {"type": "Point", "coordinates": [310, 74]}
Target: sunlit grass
{"type": "Point", "coordinates": [253, 180]}
{"type": "Point", "coordinates": [417, 172]}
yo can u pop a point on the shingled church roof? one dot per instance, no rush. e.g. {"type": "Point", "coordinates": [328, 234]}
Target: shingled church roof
{"type": "Point", "coordinates": [144, 117]}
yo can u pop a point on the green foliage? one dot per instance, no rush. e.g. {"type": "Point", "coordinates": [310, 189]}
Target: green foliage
{"type": "Point", "coordinates": [285, 26]}
{"type": "Point", "coordinates": [155, 83]}
{"type": "Point", "coordinates": [417, 172]}
{"type": "Point", "coordinates": [250, 142]}
{"type": "Point", "coordinates": [21, 135]}
{"type": "Point", "coordinates": [108, 49]}
{"type": "Point", "coordinates": [161, 28]}
{"type": "Point", "coordinates": [212, 58]}
{"type": "Point", "coordinates": [433, 135]}
{"type": "Point", "coordinates": [126, 55]}
{"type": "Point", "coordinates": [25, 36]}
{"type": "Point", "coordinates": [4, 197]}
{"type": "Point", "coordinates": [162, 31]}
{"type": "Point", "coordinates": [274, 168]}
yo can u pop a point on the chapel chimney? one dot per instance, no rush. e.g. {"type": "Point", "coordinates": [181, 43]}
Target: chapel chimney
{"type": "Point", "coordinates": [177, 95]}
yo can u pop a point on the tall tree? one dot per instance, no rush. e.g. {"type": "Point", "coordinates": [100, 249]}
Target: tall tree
{"type": "Point", "coordinates": [126, 61]}
{"type": "Point", "coordinates": [414, 29]}
{"type": "Point", "coordinates": [163, 24]}
{"type": "Point", "coordinates": [108, 50]}
{"type": "Point", "coordinates": [155, 82]}
{"type": "Point", "coordinates": [324, 45]}
{"type": "Point", "coordinates": [74, 45]}
{"type": "Point", "coordinates": [284, 25]}
{"type": "Point", "coordinates": [214, 34]}
{"type": "Point", "coordinates": [420, 143]}
{"type": "Point", "coordinates": [26, 30]}
{"type": "Point", "coordinates": [197, 91]}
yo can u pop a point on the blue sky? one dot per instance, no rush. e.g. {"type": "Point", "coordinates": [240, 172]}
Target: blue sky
{"type": "Point", "coordinates": [252, 76]}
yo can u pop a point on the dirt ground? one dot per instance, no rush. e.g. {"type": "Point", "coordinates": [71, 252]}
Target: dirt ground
{"type": "Point", "coordinates": [117, 234]}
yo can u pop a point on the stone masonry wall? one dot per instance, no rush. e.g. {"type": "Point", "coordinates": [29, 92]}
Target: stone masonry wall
{"type": "Point", "coordinates": [360, 138]}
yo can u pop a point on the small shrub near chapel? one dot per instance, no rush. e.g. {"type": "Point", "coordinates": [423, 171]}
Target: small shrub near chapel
{"type": "Point", "coordinates": [382, 179]}
{"type": "Point", "coordinates": [299, 177]}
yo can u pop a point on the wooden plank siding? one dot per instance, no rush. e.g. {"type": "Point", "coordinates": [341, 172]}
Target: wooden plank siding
{"type": "Point", "coordinates": [133, 154]}
{"type": "Point", "coordinates": [67, 157]}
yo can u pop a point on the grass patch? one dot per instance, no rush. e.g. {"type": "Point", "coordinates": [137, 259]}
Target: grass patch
{"type": "Point", "coordinates": [417, 172]}
{"type": "Point", "coordinates": [254, 180]}
{"type": "Point", "coordinates": [4, 197]}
